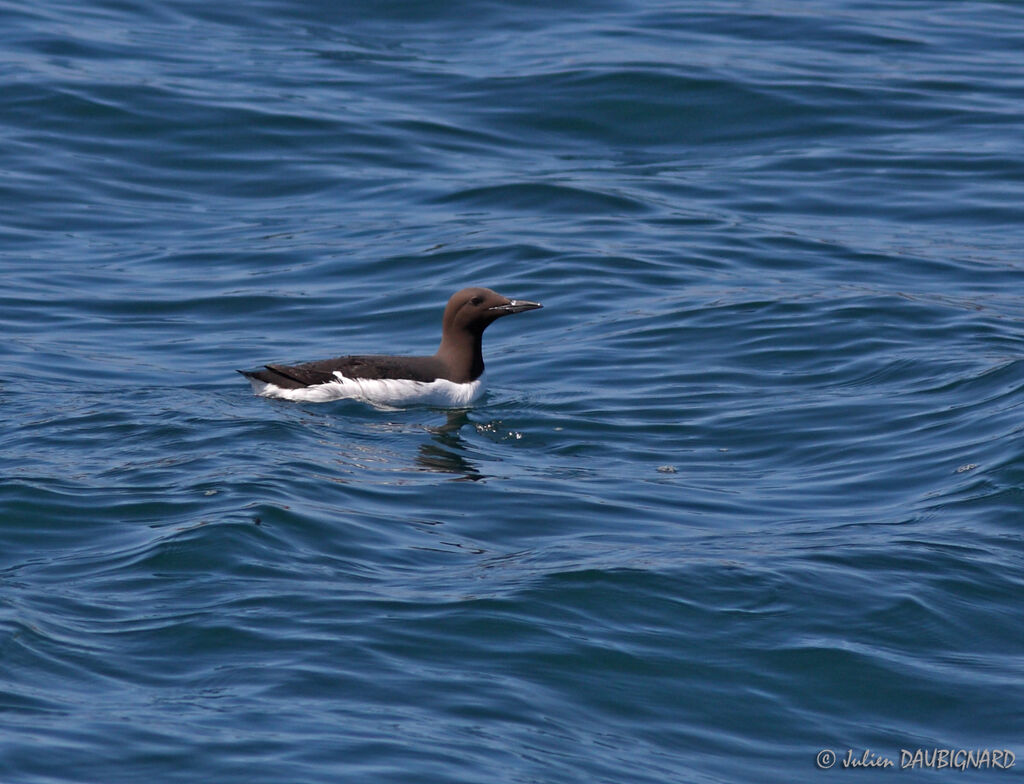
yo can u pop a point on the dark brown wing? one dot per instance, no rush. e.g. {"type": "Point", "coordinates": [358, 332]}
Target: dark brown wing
{"type": "Point", "coordinates": [370, 367]}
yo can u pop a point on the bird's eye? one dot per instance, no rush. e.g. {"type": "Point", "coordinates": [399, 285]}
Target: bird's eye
{"type": "Point", "coordinates": [476, 300]}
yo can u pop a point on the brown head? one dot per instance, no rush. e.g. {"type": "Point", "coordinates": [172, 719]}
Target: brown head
{"type": "Point", "coordinates": [468, 313]}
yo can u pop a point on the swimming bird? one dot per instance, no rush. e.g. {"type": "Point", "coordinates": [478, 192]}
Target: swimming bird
{"type": "Point", "coordinates": [452, 377]}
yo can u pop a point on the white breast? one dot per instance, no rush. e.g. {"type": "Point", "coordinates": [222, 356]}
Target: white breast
{"type": "Point", "coordinates": [381, 392]}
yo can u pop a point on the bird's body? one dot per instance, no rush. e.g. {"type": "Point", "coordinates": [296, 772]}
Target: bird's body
{"type": "Point", "coordinates": [450, 378]}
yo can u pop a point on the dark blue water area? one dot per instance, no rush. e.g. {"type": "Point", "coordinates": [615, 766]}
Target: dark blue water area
{"type": "Point", "coordinates": [748, 488]}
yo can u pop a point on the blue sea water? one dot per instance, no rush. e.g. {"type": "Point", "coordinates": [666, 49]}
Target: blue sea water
{"type": "Point", "coordinates": [747, 489]}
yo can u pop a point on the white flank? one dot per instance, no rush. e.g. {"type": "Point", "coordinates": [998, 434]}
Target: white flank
{"type": "Point", "coordinates": [393, 392]}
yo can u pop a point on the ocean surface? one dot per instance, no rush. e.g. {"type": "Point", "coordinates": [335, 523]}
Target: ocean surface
{"type": "Point", "coordinates": [747, 492]}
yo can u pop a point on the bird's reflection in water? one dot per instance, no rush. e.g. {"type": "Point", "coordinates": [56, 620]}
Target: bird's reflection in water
{"type": "Point", "coordinates": [445, 453]}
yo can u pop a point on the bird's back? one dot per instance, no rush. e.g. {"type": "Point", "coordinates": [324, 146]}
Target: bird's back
{"type": "Point", "coordinates": [357, 367]}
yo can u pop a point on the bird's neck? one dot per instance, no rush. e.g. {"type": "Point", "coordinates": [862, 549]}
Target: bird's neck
{"type": "Point", "coordinates": [462, 354]}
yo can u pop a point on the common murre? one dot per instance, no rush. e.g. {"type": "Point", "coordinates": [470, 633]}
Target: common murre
{"type": "Point", "coordinates": [449, 378]}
